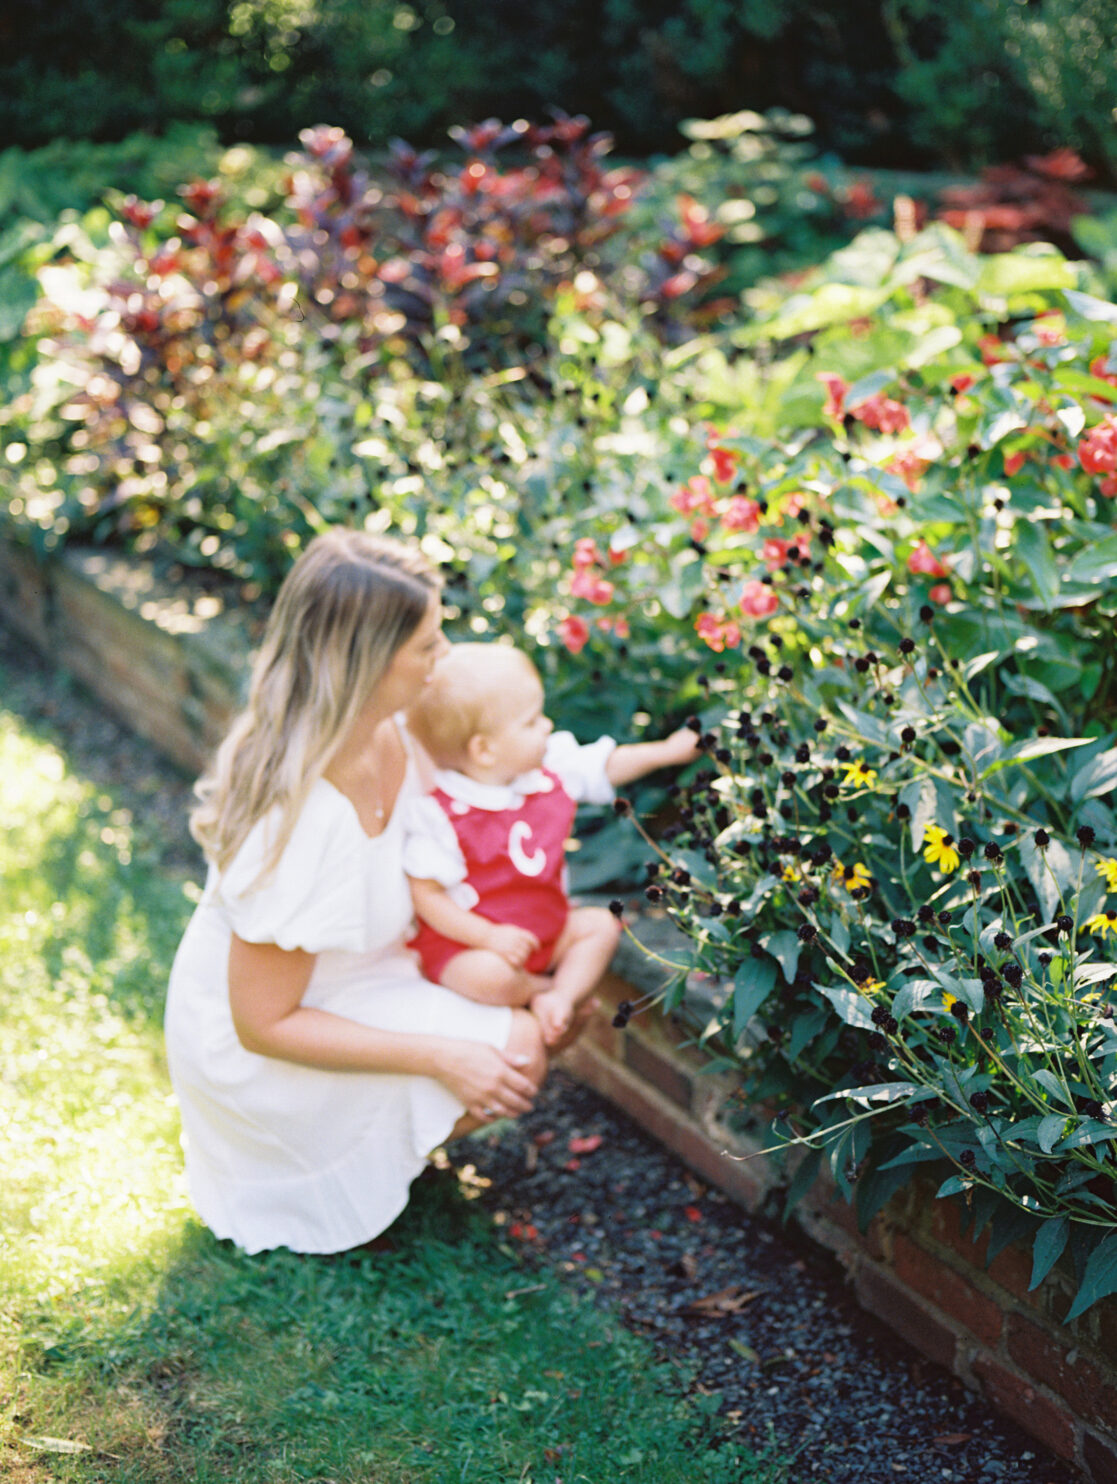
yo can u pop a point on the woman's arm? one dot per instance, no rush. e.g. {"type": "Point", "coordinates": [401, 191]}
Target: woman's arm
{"type": "Point", "coordinates": [438, 910]}
{"type": "Point", "coordinates": [266, 986]}
{"type": "Point", "coordinates": [632, 760]}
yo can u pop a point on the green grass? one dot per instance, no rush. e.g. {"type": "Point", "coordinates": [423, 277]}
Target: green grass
{"type": "Point", "coordinates": [135, 1348]}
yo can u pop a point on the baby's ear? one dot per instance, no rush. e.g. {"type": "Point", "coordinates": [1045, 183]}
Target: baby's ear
{"type": "Point", "coordinates": [479, 750]}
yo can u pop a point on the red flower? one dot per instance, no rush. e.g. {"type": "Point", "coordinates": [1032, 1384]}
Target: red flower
{"type": "Point", "coordinates": [1097, 452]}
{"type": "Point", "coordinates": [836, 390]}
{"type": "Point", "coordinates": [990, 347]}
{"type": "Point", "coordinates": [1014, 463]}
{"type": "Point", "coordinates": [923, 562]}
{"type": "Point", "coordinates": [758, 600]}
{"type": "Point", "coordinates": [940, 593]}
{"type": "Point", "coordinates": [1063, 460]}
{"type": "Point", "coordinates": [140, 213]}
{"type": "Point", "coordinates": [574, 633]}
{"type": "Point", "coordinates": [725, 463]}
{"type": "Point", "coordinates": [1108, 487]}
{"type": "Point", "coordinates": [1099, 367]}
{"type": "Point", "coordinates": [962, 382]}
{"type": "Point", "coordinates": [910, 467]}
{"type": "Point", "coordinates": [881, 413]}
{"type": "Point", "coordinates": [695, 496]}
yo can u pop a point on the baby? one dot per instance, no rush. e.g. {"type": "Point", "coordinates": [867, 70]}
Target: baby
{"type": "Point", "coordinates": [485, 851]}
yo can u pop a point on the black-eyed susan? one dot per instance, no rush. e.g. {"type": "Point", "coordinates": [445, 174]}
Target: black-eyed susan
{"type": "Point", "coordinates": [1108, 869]}
{"type": "Point", "coordinates": [853, 878]}
{"type": "Point", "coordinates": [1102, 923]}
{"type": "Point", "coordinates": [939, 849]}
{"type": "Point", "coordinates": [858, 776]}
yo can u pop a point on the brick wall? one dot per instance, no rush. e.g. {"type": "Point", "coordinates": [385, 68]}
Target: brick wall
{"type": "Point", "coordinates": [170, 662]}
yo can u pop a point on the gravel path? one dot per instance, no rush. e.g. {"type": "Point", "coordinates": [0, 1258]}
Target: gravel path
{"type": "Point", "coordinates": [763, 1318]}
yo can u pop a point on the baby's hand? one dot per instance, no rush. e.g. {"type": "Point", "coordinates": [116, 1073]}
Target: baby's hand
{"type": "Point", "coordinates": [680, 747]}
{"type": "Point", "coordinates": [515, 945]}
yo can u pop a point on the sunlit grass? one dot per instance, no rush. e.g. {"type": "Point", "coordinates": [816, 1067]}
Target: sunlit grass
{"type": "Point", "coordinates": [135, 1348]}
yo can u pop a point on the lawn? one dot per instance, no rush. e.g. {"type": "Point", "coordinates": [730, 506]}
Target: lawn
{"type": "Point", "coordinates": [134, 1347]}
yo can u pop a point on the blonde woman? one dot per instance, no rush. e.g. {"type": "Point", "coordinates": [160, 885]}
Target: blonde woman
{"type": "Point", "coordinates": [314, 1067]}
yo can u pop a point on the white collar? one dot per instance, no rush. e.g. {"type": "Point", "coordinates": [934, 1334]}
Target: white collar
{"type": "Point", "coordinates": [493, 796]}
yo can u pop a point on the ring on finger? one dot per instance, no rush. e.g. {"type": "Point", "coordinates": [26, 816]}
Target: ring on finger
{"type": "Point", "coordinates": [488, 1112]}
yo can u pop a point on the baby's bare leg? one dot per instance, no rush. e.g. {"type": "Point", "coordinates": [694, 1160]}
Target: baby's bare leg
{"type": "Point", "coordinates": [481, 975]}
{"type": "Point", "coordinates": [583, 953]}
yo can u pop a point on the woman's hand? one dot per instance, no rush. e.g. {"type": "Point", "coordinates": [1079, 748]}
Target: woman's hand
{"type": "Point", "coordinates": [486, 1080]}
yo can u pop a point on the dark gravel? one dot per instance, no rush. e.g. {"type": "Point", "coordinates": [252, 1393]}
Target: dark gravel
{"type": "Point", "coordinates": [760, 1316]}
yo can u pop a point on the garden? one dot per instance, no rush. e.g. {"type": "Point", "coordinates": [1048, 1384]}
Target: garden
{"type": "Point", "coordinates": [816, 458]}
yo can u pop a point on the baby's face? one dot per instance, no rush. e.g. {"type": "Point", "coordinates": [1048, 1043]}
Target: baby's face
{"type": "Point", "coordinates": [519, 741]}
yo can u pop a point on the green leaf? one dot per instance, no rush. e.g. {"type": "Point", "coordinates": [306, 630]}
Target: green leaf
{"type": "Point", "coordinates": [1034, 550]}
{"type": "Point", "coordinates": [752, 984]}
{"type": "Point", "coordinates": [1097, 777]}
{"type": "Point", "coordinates": [1089, 307]}
{"type": "Point", "coordinates": [784, 948]}
{"type": "Point", "coordinates": [1033, 747]}
{"type": "Point", "coordinates": [1094, 563]}
{"type": "Point", "coordinates": [804, 1177]}
{"type": "Point", "coordinates": [954, 1186]}
{"type": "Point", "coordinates": [1051, 1085]}
{"type": "Point", "coordinates": [1100, 1277]}
{"type": "Point", "coordinates": [1051, 872]}
{"type": "Point", "coordinates": [878, 1092]}
{"type": "Point", "coordinates": [913, 996]}
{"type": "Point", "coordinates": [1050, 1131]}
{"type": "Point", "coordinates": [921, 797]}
{"type": "Point", "coordinates": [853, 1008]}
{"type": "Point", "coordinates": [1047, 1249]}
{"type": "Point", "coordinates": [1004, 274]}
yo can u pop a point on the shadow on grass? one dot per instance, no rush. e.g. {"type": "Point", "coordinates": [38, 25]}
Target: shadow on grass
{"type": "Point", "coordinates": [444, 1358]}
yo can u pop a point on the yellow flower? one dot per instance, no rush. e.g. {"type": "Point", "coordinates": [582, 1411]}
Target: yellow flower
{"type": "Point", "coordinates": [854, 878]}
{"type": "Point", "coordinates": [938, 849]}
{"type": "Point", "coordinates": [789, 873]}
{"type": "Point", "coordinates": [859, 776]}
{"type": "Point", "coordinates": [948, 1000]}
{"type": "Point", "coordinates": [870, 986]}
{"type": "Point", "coordinates": [1102, 922]}
{"type": "Point", "coordinates": [1108, 869]}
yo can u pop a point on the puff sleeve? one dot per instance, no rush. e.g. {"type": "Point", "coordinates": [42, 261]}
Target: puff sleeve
{"type": "Point", "coordinates": [431, 851]}
{"type": "Point", "coordinates": [316, 898]}
{"type": "Point", "coordinates": [581, 766]}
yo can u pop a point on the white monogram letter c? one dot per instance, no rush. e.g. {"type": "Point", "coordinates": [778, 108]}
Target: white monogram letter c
{"type": "Point", "coordinates": [527, 865]}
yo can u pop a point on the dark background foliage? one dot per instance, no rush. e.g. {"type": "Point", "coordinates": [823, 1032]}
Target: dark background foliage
{"type": "Point", "coordinates": [889, 82]}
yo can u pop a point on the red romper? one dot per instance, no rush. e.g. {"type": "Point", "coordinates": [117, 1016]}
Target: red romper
{"type": "Point", "coordinates": [515, 861]}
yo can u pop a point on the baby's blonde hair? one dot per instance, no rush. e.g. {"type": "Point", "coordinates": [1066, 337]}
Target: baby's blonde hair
{"type": "Point", "coordinates": [344, 609]}
{"type": "Point", "coordinates": [466, 698]}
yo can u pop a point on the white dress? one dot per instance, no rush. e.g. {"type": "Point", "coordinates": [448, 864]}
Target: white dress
{"type": "Point", "coordinates": [281, 1155]}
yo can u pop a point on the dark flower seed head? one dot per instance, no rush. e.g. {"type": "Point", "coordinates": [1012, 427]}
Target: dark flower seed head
{"type": "Point", "coordinates": [1085, 835]}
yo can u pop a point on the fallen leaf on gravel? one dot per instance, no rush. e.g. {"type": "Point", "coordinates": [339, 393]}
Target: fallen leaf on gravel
{"type": "Point", "coordinates": [746, 1352]}
{"type": "Point", "coordinates": [585, 1145]}
{"type": "Point", "coordinates": [725, 1301]}
{"type": "Point", "coordinates": [55, 1445]}
{"type": "Point", "coordinates": [951, 1439]}
{"type": "Point", "coordinates": [692, 1213]}
{"type": "Point", "coordinates": [544, 1137]}
{"type": "Point", "coordinates": [572, 1165]}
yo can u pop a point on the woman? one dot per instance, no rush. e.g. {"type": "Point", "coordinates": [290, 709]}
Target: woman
{"type": "Point", "coordinates": [314, 1067]}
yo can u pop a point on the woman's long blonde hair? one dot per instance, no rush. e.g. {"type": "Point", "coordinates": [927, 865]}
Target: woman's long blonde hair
{"type": "Point", "coordinates": [344, 609]}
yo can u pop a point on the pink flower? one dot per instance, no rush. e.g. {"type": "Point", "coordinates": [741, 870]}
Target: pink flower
{"type": "Point", "coordinates": [778, 553]}
{"type": "Point", "coordinates": [595, 589]}
{"type": "Point", "coordinates": [1108, 487]}
{"type": "Point", "coordinates": [586, 553]}
{"type": "Point", "coordinates": [940, 593]}
{"type": "Point", "coordinates": [1097, 452]}
{"type": "Point", "coordinates": [882, 414]}
{"type": "Point", "coordinates": [836, 390]}
{"type": "Point", "coordinates": [574, 633]}
{"type": "Point", "coordinates": [609, 625]}
{"type": "Point", "coordinates": [1050, 328]}
{"type": "Point", "coordinates": [741, 514]}
{"type": "Point", "coordinates": [695, 495]}
{"type": "Point", "coordinates": [923, 562]}
{"type": "Point", "coordinates": [1099, 367]}
{"type": "Point", "coordinates": [725, 463]}
{"type": "Point", "coordinates": [910, 466]}
{"type": "Point", "coordinates": [990, 347]}
{"type": "Point", "coordinates": [758, 600]}
{"type": "Point", "coordinates": [718, 633]}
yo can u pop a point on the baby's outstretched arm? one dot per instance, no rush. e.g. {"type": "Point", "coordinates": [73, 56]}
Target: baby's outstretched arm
{"type": "Point", "coordinates": [632, 760]}
{"type": "Point", "coordinates": [434, 905]}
